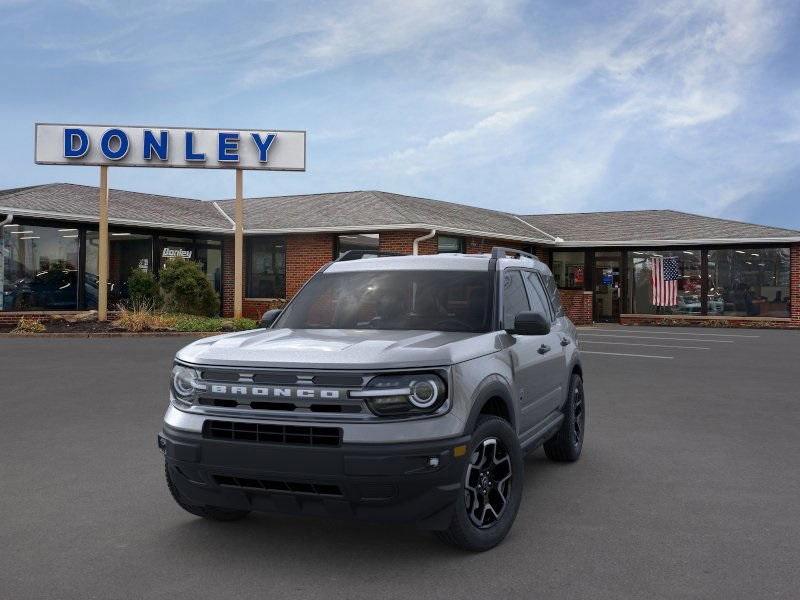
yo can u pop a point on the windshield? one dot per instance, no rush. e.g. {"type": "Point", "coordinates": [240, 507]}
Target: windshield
{"type": "Point", "coordinates": [429, 300]}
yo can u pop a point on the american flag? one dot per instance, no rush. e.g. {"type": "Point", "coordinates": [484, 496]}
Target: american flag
{"type": "Point", "coordinates": [664, 277]}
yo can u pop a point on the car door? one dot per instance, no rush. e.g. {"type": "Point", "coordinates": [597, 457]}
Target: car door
{"type": "Point", "coordinates": [529, 356]}
{"type": "Point", "coordinates": [556, 339]}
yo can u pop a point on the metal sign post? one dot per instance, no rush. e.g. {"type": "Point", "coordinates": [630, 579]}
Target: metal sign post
{"type": "Point", "coordinates": [103, 253]}
{"type": "Point", "coordinates": [176, 147]}
{"type": "Point", "coordinates": [238, 244]}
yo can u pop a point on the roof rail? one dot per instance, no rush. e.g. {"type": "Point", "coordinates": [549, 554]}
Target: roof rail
{"type": "Point", "coordinates": [357, 254]}
{"type": "Point", "coordinates": [501, 252]}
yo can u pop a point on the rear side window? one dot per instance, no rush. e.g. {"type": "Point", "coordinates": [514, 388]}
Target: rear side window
{"type": "Point", "coordinates": [537, 295]}
{"type": "Point", "coordinates": [515, 299]}
{"type": "Point", "coordinates": [552, 293]}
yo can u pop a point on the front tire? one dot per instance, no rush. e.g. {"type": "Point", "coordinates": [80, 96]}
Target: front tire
{"type": "Point", "coordinates": [492, 483]}
{"type": "Point", "coordinates": [215, 513]}
{"type": "Point", "coordinates": [567, 443]}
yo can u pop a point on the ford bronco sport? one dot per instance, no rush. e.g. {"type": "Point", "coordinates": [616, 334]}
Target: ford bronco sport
{"type": "Point", "coordinates": [393, 388]}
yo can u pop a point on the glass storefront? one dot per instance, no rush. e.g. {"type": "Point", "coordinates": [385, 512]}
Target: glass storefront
{"type": "Point", "coordinates": [128, 251]}
{"type": "Point", "coordinates": [569, 269]}
{"type": "Point", "coordinates": [39, 267]}
{"type": "Point", "coordinates": [266, 267]}
{"type": "Point", "coordinates": [209, 255]}
{"type": "Point", "coordinates": [749, 282]}
{"type": "Point", "coordinates": [665, 282]}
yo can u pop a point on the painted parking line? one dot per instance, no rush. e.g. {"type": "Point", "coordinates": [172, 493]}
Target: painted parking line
{"type": "Point", "coordinates": [647, 345]}
{"type": "Point", "coordinates": [624, 354]}
{"type": "Point", "coordinates": [733, 335]}
{"type": "Point", "coordinates": [652, 337]}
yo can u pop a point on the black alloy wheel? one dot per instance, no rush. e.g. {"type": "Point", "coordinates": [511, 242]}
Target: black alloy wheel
{"type": "Point", "coordinates": [488, 482]}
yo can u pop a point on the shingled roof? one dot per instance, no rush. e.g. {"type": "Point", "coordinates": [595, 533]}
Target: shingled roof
{"type": "Point", "coordinates": [356, 211]}
{"type": "Point", "coordinates": [363, 211]}
{"type": "Point", "coordinates": [638, 226]}
{"type": "Point", "coordinates": [79, 202]}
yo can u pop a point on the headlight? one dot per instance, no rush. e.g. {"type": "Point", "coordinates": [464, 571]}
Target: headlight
{"type": "Point", "coordinates": [184, 383]}
{"type": "Point", "coordinates": [404, 394]}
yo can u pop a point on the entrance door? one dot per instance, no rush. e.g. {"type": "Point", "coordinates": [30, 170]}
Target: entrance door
{"type": "Point", "coordinates": [607, 286]}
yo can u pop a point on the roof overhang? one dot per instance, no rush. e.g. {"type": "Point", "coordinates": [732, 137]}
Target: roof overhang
{"type": "Point", "coordinates": [94, 219]}
{"type": "Point", "coordinates": [683, 242]}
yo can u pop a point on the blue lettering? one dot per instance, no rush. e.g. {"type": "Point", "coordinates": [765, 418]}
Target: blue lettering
{"type": "Point", "coordinates": [228, 142]}
{"type": "Point", "coordinates": [122, 144]}
{"type": "Point", "coordinates": [263, 145]}
{"type": "Point", "coordinates": [190, 153]}
{"type": "Point", "coordinates": [70, 137]}
{"type": "Point", "coordinates": [159, 146]}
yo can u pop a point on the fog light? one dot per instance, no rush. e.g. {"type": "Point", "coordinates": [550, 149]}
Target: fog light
{"type": "Point", "coordinates": [433, 461]}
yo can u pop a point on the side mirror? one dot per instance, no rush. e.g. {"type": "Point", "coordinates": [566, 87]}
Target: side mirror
{"type": "Point", "coordinates": [269, 317]}
{"type": "Point", "coordinates": [531, 323]}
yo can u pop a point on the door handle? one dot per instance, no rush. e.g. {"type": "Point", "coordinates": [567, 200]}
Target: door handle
{"type": "Point", "coordinates": [565, 341]}
{"type": "Point", "coordinates": [543, 349]}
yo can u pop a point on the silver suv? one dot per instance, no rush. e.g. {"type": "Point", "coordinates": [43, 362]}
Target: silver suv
{"type": "Point", "coordinates": [394, 388]}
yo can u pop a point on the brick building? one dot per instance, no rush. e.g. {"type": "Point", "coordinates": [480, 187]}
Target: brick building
{"type": "Point", "coordinates": [727, 272]}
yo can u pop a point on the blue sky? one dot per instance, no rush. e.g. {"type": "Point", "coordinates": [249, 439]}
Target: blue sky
{"type": "Point", "coordinates": [521, 106]}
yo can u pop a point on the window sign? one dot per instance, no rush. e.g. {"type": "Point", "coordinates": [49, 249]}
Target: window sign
{"type": "Point", "coordinates": [183, 253]}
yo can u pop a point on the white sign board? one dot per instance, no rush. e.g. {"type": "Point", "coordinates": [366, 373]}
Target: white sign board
{"type": "Point", "coordinates": [189, 148]}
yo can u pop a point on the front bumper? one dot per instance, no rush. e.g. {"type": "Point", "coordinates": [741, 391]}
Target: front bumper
{"type": "Point", "coordinates": [403, 483]}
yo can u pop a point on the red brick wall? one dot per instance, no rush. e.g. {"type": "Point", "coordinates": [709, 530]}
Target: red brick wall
{"type": "Point", "coordinates": [794, 284]}
{"type": "Point", "coordinates": [402, 242]}
{"type": "Point", "coordinates": [228, 263]}
{"type": "Point", "coordinates": [305, 254]}
{"type": "Point", "coordinates": [577, 305]}
{"type": "Point", "coordinates": [254, 309]}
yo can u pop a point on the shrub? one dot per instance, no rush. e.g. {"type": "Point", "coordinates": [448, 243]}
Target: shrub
{"type": "Point", "coordinates": [26, 325]}
{"type": "Point", "coordinates": [196, 323]}
{"type": "Point", "coordinates": [143, 289]}
{"type": "Point", "coordinates": [186, 289]}
{"type": "Point", "coordinates": [242, 324]}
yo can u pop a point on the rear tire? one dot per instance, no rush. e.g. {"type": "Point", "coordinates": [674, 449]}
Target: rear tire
{"type": "Point", "coordinates": [215, 513]}
{"type": "Point", "coordinates": [567, 443]}
{"type": "Point", "coordinates": [493, 476]}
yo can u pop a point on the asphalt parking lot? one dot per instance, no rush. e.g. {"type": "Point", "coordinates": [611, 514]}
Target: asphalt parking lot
{"type": "Point", "coordinates": [688, 487]}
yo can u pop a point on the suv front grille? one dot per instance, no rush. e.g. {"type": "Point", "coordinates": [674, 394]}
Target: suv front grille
{"type": "Point", "coordinates": [289, 487]}
{"type": "Point", "coordinates": [273, 434]}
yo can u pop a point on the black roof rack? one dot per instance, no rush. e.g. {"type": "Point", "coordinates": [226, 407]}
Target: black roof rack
{"type": "Point", "coordinates": [357, 254]}
{"type": "Point", "coordinates": [501, 252]}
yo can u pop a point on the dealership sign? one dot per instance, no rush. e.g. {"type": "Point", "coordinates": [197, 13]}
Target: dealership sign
{"type": "Point", "coordinates": [193, 148]}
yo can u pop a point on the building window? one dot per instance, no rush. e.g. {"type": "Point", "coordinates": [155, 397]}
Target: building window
{"type": "Point", "coordinates": [569, 270]}
{"type": "Point", "coordinates": [266, 267]}
{"type": "Point", "coordinates": [448, 244]}
{"type": "Point", "coordinates": [366, 242]}
{"type": "Point", "coordinates": [39, 268]}
{"type": "Point", "coordinates": [127, 253]}
{"type": "Point", "coordinates": [748, 282]}
{"type": "Point", "coordinates": [209, 255]}
{"type": "Point", "coordinates": [666, 282]}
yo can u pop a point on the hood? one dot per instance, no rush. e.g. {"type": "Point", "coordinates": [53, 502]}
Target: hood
{"type": "Point", "coordinates": [339, 349]}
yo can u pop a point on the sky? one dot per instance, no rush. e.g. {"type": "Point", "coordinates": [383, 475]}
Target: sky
{"type": "Point", "coordinates": [528, 107]}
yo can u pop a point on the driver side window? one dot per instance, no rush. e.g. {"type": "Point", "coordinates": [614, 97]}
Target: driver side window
{"type": "Point", "coordinates": [515, 298]}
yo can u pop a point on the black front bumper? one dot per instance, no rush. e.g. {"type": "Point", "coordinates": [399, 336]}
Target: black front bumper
{"type": "Point", "coordinates": [402, 483]}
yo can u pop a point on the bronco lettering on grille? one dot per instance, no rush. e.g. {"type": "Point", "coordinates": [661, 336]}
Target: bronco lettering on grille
{"type": "Point", "coordinates": [275, 392]}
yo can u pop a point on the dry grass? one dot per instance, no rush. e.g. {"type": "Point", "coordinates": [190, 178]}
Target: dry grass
{"type": "Point", "coordinates": [142, 317]}
{"type": "Point", "coordinates": [26, 325]}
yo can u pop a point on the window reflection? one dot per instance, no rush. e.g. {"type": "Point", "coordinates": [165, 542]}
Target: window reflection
{"type": "Point", "coordinates": [747, 282]}
{"type": "Point", "coordinates": [39, 268]}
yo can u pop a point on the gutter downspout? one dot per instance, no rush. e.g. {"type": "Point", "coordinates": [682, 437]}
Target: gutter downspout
{"type": "Point", "coordinates": [427, 236]}
{"type": "Point", "coordinates": [7, 220]}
